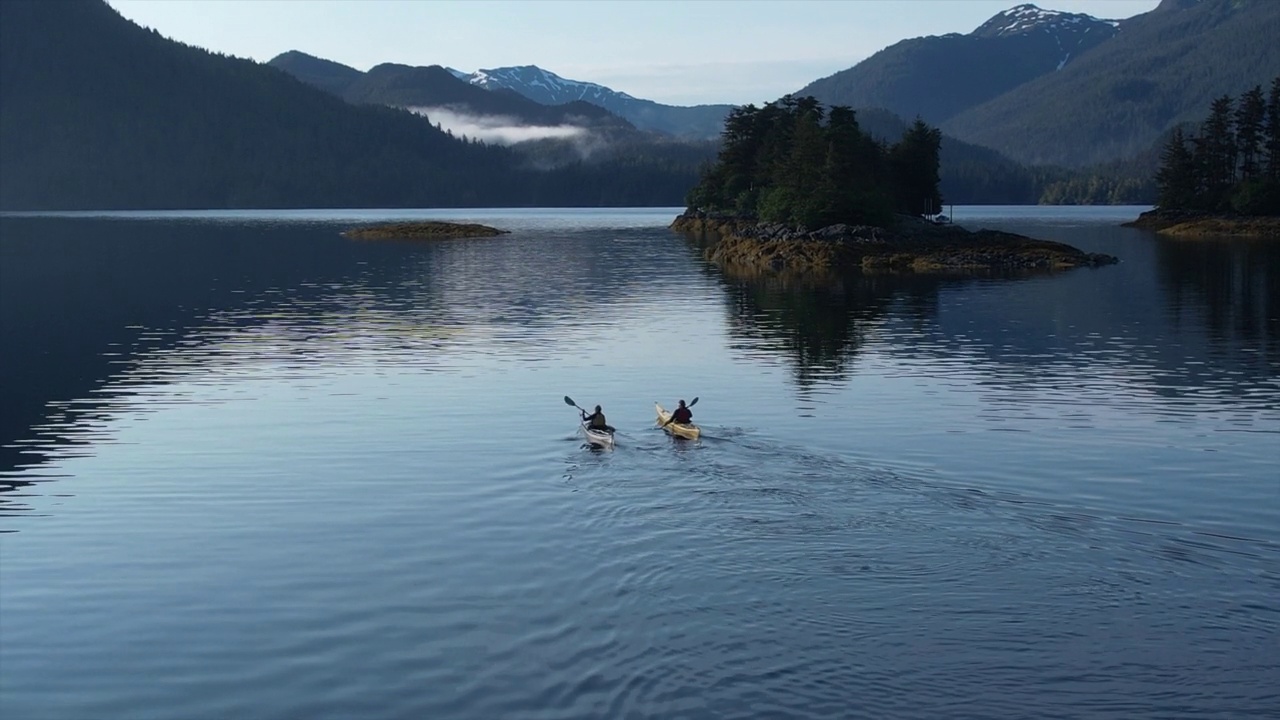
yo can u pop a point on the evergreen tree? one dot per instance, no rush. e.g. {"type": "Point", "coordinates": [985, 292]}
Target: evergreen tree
{"type": "Point", "coordinates": [852, 165]}
{"type": "Point", "coordinates": [1272, 132]}
{"type": "Point", "coordinates": [1176, 179]}
{"type": "Point", "coordinates": [1206, 178]}
{"type": "Point", "coordinates": [913, 165]}
{"type": "Point", "coordinates": [1215, 155]}
{"type": "Point", "coordinates": [792, 162]}
{"type": "Point", "coordinates": [741, 142]}
{"type": "Point", "coordinates": [1250, 113]}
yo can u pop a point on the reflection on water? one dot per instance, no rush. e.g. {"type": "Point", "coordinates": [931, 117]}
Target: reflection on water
{"type": "Point", "coordinates": [1231, 288]}
{"type": "Point", "coordinates": [253, 469]}
{"type": "Point", "coordinates": [823, 322]}
{"type": "Point", "coordinates": [1200, 319]}
{"type": "Point", "coordinates": [88, 299]}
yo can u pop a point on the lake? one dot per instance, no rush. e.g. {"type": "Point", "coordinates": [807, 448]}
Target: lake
{"type": "Point", "coordinates": [253, 469]}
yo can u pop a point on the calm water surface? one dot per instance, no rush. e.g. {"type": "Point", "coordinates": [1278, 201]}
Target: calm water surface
{"type": "Point", "coordinates": [253, 469]}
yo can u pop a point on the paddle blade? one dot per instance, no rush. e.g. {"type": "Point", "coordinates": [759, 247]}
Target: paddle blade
{"type": "Point", "coordinates": [695, 402]}
{"type": "Point", "coordinates": [569, 401]}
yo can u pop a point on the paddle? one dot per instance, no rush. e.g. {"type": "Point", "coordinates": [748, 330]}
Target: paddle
{"type": "Point", "coordinates": [673, 415]}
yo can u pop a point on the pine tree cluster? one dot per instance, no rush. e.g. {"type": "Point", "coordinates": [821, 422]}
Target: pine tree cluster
{"type": "Point", "coordinates": [1232, 164]}
{"type": "Point", "coordinates": [794, 162]}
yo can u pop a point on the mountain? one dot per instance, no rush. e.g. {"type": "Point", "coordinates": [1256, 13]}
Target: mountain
{"type": "Point", "coordinates": [99, 113]}
{"type": "Point", "coordinates": [434, 86]}
{"type": "Point", "coordinates": [1161, 70]}
{"type": "Point", "coordinates": [937, 77]}
{"type": "Point", "coordinates": [698, 121]}
{"type": "Point", "coordinates": [327, 75]}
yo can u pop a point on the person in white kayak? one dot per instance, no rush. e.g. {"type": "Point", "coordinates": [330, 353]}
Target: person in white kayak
{"type": "Point", "coordinates": [596, 420]}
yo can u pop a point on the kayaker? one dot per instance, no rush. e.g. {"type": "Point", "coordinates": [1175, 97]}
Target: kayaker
{"type": "Point", "coordinates": [682, 415]}
{"type": "Point", "coordinates": [596, 420]}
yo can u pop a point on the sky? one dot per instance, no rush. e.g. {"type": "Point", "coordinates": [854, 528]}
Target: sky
{"type": "Point", "coordinates": [686, 52]}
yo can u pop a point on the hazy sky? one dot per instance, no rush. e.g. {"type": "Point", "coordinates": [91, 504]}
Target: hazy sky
{"type": "Point", "coordinates": [682, 53]}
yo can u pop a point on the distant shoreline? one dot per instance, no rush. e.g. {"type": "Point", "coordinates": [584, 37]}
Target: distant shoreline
{"type": "Point", "coordinates": [1193, 225]}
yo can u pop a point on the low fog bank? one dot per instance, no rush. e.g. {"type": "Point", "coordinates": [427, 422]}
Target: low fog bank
{"type": "Point", "coordinates": [496, 129]}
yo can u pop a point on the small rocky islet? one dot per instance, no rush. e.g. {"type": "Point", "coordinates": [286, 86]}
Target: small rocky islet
{"type": "Point", "coordinates": [914, 244]}
{"type": "Point", "coordinates": [1188, 224]}
{"type": "Point", "coordinates": [423, 230]}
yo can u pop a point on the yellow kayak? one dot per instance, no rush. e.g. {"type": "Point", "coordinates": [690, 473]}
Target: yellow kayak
{"type": "Point", "coordinates": [685, 430]}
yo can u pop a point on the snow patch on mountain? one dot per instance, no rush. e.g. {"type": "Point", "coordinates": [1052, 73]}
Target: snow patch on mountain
{"type": "Point", "coordinates": [1073, 33]}
{"type": "Point", "coordinates": [1027, 18]}
{"type": "Point", "coordinates": [545, 86]}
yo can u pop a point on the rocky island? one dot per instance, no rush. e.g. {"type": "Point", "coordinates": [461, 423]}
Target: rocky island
{"type": "Point", "coordinates": [423, 230]}
{"type": "Point", "coordinates": [800, 187]}
{"type": "Point", "coordinates": [1190, 224]}
{"type": "Point", "coordinates": [911, 244]}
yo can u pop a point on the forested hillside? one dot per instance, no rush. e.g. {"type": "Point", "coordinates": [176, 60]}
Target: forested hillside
{"type": "Point", "coordinates": [330, 76]}
{"type": "Point", "coordinates": [96, 112]}
{"type": "Point", "coordinates": [430, 86]}
{"type": "Point", "coordinates": [937, 77]}
{"type": "Point", "coordinates": [1124, 96]}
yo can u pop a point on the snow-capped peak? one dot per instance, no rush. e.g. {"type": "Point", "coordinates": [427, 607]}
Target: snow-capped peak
{"type": "Point", "coordinates": [1027, 18]}
{"type": "Point", "coordinates": [544, 86]}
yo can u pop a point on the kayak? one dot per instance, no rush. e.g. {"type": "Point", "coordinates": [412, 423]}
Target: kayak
{"type": "Point", "coordinates": [603, 438]}
{"type": "Point", "coordinates": [684, 430]}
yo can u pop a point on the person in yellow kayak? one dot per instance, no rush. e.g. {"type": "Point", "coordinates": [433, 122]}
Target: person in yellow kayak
{"type": "Point", "coordinates": [596, 420]}
{"type": "Point", "coordinates": [682, 415]}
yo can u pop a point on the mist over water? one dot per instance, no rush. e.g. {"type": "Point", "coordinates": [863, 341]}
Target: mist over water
{"type": "Point", "coordinates": [250, 468]}
{"type": "Point", "coordinates": [498, 129]}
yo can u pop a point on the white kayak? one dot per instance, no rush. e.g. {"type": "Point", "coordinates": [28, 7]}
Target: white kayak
{"type": "Point", "coordinates": [602, 438]}
{"type": "Point", "coordinates": [684, 430]}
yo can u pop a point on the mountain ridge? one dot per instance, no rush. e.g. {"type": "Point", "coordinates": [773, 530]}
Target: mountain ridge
{"type": "Point", "coordinates": [1123, 96]}
{"type": "Point", "coordinates": [121, 117]}
{"type": "Point", "coordinates": [433, 86]}
{"type": "Point", "coordinates": [1052, 88]}
{"type": "Point", "coordinates": [939, 76]}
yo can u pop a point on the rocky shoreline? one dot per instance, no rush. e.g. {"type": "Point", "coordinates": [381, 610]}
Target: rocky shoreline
{"type": "Point", "coordinates": [1189, 225]}
{"type": "Point", "coordinates": [914, 245]}
{"type": "Point", "coordinates": [423, 230]}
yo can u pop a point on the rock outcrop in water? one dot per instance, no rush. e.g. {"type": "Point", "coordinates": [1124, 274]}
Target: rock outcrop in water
{"type": "Point", "coordinates": [424, 230]}
{"type": "Point", "coordinates": [914, 245]}
{"type": "Point", "coordinates": [1186, 224]}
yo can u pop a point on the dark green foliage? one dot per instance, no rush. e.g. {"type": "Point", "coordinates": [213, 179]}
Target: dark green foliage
{"type": "Point", "coordinates": [1272, 131]}
{"type": "Point", "coordinates": [1221, 171]}
{"type": "Point", "coordinates": [791, 161]}
{"type": "Point", "coordinates": [1256, 197]}
{"type": "Point", "coordinates": [1249, 116]}
{"type": "Point", "coordinates": [1176, 178]}
{"type": "Point", "coordinates": [913, 165]}
{"type": "Point", "coordinates": [1214, 154]}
